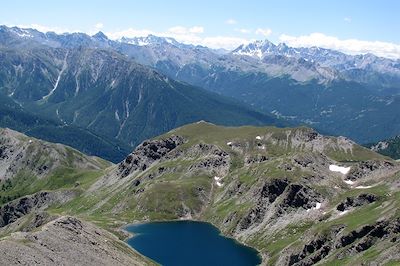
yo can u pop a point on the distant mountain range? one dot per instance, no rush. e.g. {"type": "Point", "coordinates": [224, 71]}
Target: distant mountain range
{"type": "Point", "coordinates": [263, 56]}
{"type": "Point", "coordinates": [366, 68]}
{"type": "Point", "coordinates": [129, 85]}
{"type": "Point", "coordinates": [80, 83]}
{"type": "Point", "coordinates": [357, 96]}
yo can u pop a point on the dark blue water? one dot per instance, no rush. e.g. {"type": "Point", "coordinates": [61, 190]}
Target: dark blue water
{"type": "Point", "coordinates": [189, 243]}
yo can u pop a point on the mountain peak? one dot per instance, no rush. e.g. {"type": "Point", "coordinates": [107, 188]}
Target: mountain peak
{"type": "Point", "coordinates": [255, 49]}
{"type": "Point", "coordinates": [100, 36]}
{"type": "Point", "coordinates": [282, 45]}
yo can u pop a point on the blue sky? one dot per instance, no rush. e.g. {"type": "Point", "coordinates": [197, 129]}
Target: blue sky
{"type": "Point", "coordinates": [220, 23]}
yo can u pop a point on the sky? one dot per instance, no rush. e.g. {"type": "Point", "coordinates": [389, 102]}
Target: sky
{"type": "Point", "coordinates": [351, 26]}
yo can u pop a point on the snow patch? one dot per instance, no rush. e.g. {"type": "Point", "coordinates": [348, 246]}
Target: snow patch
{"type": "Point", "coordinates": [349, 182]}
{"type": "Point", "coordinates": [217, 180]}
{"type": "Point", "coordinates": [255, 53]}
{"type": "Point", "coordinates": [343, 212]}
{"type": "Point", "coordinates": [258, 137]}
{"type": "Point", "coordinates": [363, 187]}
{"type": "Point", "coordinates": [229, 143]}
{"type": "Point", "coordinates": [341, 169]}
{"type": "Point", "coordinates": [23, 33]}
{"type": "Point", "coordinates": [317, 207]}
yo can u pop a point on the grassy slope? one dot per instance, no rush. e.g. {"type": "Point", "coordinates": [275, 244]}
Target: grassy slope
{"type": "Point", "coordinates": [73, 169]}
{"type": "Point", "coordinates": [164, 196]}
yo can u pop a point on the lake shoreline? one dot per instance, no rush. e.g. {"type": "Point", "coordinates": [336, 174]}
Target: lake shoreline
{"type": "Point", "coordinates": [130, 235]}
{"type": "Point", "coordinates": [122, 228]}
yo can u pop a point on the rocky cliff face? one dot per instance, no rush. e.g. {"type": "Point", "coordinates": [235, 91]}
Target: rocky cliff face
{"type": "Point", "coordinates": [18, 208]}
{"type": "Point", "coordinates": [370, 169]}
{"type": "Point", "coordinates": [347, 243]}
{"type": "Point", "coordinates": [147, 153]}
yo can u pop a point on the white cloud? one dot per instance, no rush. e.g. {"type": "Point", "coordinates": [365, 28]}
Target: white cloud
{"type": "Point", "coordinates": [225, 42]}
{"type": "Point", "coordinates": [196, 29]}
{"type": "Point", "coordinates": [244, 31]}
{"type": "Point", "coordinates": [350, 46]}
{"type": "Point", "coordinates": [178, 30]}
{"type": "Point", "coordinates": [99, 26]}
{"type": "Point", "coordinates": [347, 19]}
{"type": "Point", "coordinates": [130, 33]}
{"type": "Point", "coordinates": [183, 30]}
{"type": "Point", "coordinates": [231, 21]}
{"type": "Point", "coordinates": [264, 32]}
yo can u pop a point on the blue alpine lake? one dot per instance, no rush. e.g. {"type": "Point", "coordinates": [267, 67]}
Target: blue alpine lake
{"type": "Point", "coordinates": [188, 243]}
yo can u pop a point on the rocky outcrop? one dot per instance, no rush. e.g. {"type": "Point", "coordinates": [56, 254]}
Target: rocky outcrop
{"type": "Point", "coordinates": [147, 153]}
{"type": "Point", "coordinates": [312, 252]}
{"type": "Point", "coordinates": [16, 209]}
{"type": "Point", "coordinates": [364, 238]}
{"type": "Point", "coordinates": [299, 196]}
{"type": "Point", "coordinates": [259, 158]}
{"type": "Point", "coordinates": [280, 197]}
{"type": "Point", "coordinates": [271, 190]}
{"type": "Point", "coordinates": [212, 159]}
{"type": "Point", "coordinates": [268, 193]}
{"type": "Point", "coordinates": [368, 168]}
{"type": "Point", "coordinates": [345, 244]}
{"type": "Point", "coordinates": [360, 200]}
{"type": "Point", "coordinates": [309, 139]}
{"type": "Point", "coordinates": [67, 241]}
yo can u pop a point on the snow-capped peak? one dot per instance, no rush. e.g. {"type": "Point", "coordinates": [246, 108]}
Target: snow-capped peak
{"type": "Point", "coordinates": [149, 40]}
{"type": "Point", "coordinates": [255, 49]}
{"type": "Point", "coordinates": [23, 33]}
